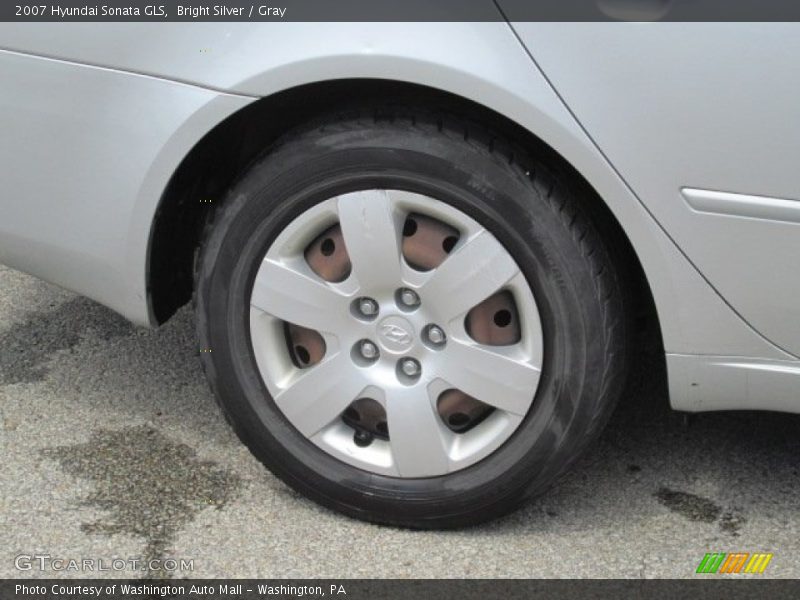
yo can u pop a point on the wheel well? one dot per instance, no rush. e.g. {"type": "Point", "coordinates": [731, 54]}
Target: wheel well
{"type": "Point", "coordinates": [210, 168]}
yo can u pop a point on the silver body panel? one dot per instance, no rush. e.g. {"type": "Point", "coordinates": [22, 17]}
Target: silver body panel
{"type": "Point", "coordinates": [86, 154]}
{"type": "Point", "coordinates": [700, 105]}
{"type": "Point", "coordinates": [96, 119]}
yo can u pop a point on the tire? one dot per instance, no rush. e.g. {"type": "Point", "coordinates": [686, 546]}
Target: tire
{"type": "Point", "coordinates": [539, 218]}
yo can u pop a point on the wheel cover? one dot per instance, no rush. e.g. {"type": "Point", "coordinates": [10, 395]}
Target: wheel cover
{"type": "Point", "coordinates": [396, 333]}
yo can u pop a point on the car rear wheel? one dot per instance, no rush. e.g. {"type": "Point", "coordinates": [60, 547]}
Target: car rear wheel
{"type": "Point", "coordinates": [408, 320]}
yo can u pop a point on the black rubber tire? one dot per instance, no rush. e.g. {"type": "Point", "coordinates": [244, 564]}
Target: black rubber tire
{"type": "Point", "coordinates": [532, 211]}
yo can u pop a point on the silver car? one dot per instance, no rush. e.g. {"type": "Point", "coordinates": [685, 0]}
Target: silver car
{"type": "Point", "coordinates": [425, 258]}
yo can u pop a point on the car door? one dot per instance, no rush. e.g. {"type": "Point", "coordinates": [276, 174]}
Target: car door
{"type": "Point", "coordinates": [702, 120]}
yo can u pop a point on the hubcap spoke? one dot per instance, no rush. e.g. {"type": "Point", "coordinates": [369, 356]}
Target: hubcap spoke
{"type": "Point", "coordinates": [470, 275]}
{"type": "Point", "coordinates": [415, 433]}
{"type": "Point", "coordinates": [297, 298]}
{"type": "Point", "coordinates": [370, 229]}
{"type": "Point", "coordinates": [493, 378]}
{"type": "Point", "coordinates": [320, 394]}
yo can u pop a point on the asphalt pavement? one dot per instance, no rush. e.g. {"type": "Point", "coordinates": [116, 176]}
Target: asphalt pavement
{"type": "Point", "coordinates": [112, 447]}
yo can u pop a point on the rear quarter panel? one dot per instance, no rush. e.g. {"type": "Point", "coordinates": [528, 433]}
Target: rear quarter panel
{"type": "Point", "coordinates": [85, 153]}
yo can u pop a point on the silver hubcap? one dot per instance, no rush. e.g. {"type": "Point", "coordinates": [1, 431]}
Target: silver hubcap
{"type": "Point", "coordinates": [396, 333]}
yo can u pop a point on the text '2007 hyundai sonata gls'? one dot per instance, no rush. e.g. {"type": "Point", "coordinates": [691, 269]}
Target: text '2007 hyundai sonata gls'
{"type": "Point", "coordinates": [423, 257]}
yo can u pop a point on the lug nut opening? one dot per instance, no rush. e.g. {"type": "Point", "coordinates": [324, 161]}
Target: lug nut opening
{"type": "Point", "coordinates": [435, 337]}
{"type": "Point", "coordinates": [407, 299]}
{"type": "Point", "coordinates": [365, 309]}
{"type": "Point", "coordinates": [408, 371]}
{"type": "Point", "coordinates": [365, 353]}
{"type": "Point", "coordinates": [459, 412]}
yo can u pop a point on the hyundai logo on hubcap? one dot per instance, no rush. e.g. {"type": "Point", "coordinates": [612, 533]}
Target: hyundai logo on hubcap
{"type": "Point", "coordinates": [395, 334]}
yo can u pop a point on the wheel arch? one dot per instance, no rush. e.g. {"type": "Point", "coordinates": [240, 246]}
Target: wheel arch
{"type": "Point", "coordinates": [204, 175]}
